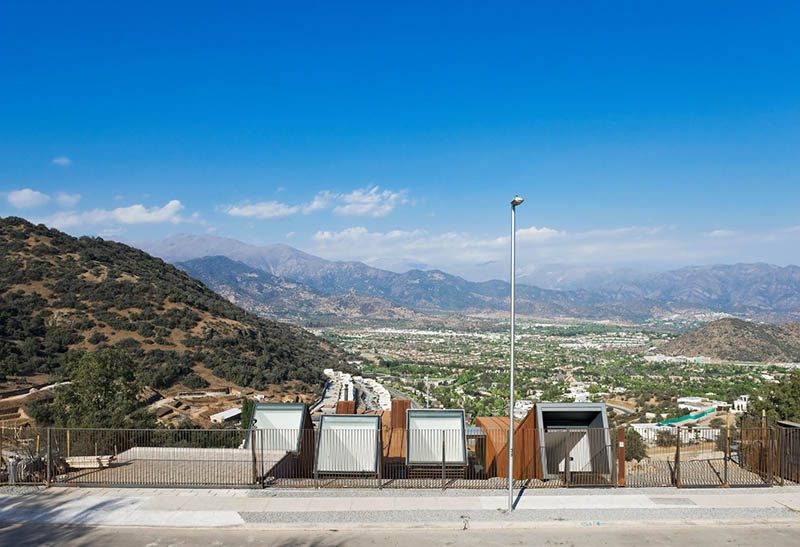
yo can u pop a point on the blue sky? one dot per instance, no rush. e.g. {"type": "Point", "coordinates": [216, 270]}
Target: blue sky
{"type": "Point", "coordinates": [656, 134]}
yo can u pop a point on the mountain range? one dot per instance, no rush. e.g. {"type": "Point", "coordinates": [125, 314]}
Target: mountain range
{"type": "Point", "coordinates": [754, 291]}
{"type": "Point", "coordinates": [424, 291]}
{"type": "Point", "coordinates": [269, 295]}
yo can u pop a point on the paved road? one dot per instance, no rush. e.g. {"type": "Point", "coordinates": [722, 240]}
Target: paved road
{"type": "Point", "coordinates": [707, 536]}
{"type": "Point", "coordinates": [400, 395]}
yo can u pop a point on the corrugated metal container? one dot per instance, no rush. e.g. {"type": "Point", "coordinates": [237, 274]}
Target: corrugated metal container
{"type": "Point", "coordinates": [348, 444]}
{"type": "Point", "coordinates": [434, 435]}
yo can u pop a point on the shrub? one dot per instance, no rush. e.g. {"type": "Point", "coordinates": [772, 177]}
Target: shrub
{"type": "Point", "coordinates": [635, 448]}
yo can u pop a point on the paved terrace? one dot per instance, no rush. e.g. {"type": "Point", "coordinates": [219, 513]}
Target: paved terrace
{"type": "Point", "coordinates": [395, 509]}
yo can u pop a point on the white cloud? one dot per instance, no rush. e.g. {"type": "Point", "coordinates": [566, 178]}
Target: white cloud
{"type": "Point", "coordinates": [262, 210]}
{"type": "Point", "coordinates": [371, 202]}
{"type": "Point", "coordinates": [359, 243]}
{"type": "Point", "coordinates": [322, 200]}
{"type": "Point", "coordinates": [133, 214]}
{"type": "Point", "coordinates": [721, 233]}
{"type": "Point", "coordinates": [62, 161]}
{"type": "Point", "coordinates": [66, 200]}
{"type": "Point", "coordinates": [27, 198]}
{"type": "Point", "coordinates": [538, 234]}
{"type": "Point", "coordinates": [139, 214]}
{"type": "Point", "coordinates": [487, 257]}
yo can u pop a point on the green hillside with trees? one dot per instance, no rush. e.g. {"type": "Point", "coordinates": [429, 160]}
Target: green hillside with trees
{"type": "Point", "coordinates": [62, 297]}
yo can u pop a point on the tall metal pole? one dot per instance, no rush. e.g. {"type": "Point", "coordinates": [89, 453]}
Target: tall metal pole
{"type": "Point", "coordinates": [516, 201]}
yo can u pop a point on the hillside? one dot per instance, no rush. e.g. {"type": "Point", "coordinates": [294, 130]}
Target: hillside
{"type": "Point", "coordinates": [60, 296]}
{"type": "Point", "coordinates": [737, 340]}
{"type": "Point", "coordinates": [271, 296]}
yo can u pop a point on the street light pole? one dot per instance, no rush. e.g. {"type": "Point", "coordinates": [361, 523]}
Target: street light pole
{"type": "Point", "coordinates": [514, 202]}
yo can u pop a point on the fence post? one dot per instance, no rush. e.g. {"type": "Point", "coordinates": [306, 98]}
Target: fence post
{"type": "Point", "coordinates": [253, 453]}
{"type": "Point", "coordinates": [316, 459]}
{"type": "Point", "coordinates": [763, 464]}
{"type": "Point", "coordinates": [770, 455]}
{"type": "Point", "coordinates": [620, 457]}
{"type": "Point", "coordinates": [727, 455]}
{"type": "Point", "coordinates": [612, 450]}
{"type": "Point", "coordinates": [444, 476]}
{"type": "Point", "coordinates": [380, 457]}
{"type": "Point", "coordinates": [49, 460]}
{"type": "Point", "coordinates": [567, 466]}
{"type": "Point", "coordinates": [678, 457]}
{"type": "Point", "coordinates": [779, 434]}
{"type": "Point", "coordinates": [262, 433]}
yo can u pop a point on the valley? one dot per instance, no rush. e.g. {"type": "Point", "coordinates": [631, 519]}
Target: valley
{"type": "Point", "coordinates": [571, 362]}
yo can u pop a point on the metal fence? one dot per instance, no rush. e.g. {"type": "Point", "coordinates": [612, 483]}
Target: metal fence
{"type": "Point", "coordinates": [396, 458]}
{"type": "Point", "coordinates": [713, 457]}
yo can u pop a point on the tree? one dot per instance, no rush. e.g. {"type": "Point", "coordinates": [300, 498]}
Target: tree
{"type": "Point", "coordinates": [247, 412]}
{"type": "Point", "coordinates": [635, 448]}
{"type": "Point", "coordinates": [780, 401]}
{"type": "Point", "coordinates": [717, 423]}
{"type": "Point", "coordinates": [666, 438]}
{"type": "Point", "coordinates": [103, 393]}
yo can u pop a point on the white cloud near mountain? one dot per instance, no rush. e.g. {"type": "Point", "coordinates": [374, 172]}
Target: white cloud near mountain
{"type": "Point", "coordinates": [487, 257]}
{"type": "Point", "coordinates": [368, 202]}
{"type": "Point", "coordinates": [264, 210]}
{"type": "Point", "coordinates": [132, 214]}
{"type": "Point", "coordinates": [27, 198]}
{"type": "Point", "coordinates": [321, 201]}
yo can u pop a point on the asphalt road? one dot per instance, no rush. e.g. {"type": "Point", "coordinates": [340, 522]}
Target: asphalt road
{"type": "Point", "coordinates": [639, 534]}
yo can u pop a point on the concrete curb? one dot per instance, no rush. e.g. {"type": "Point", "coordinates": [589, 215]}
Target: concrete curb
{"type": "Point", "coordinates": [514, 525]}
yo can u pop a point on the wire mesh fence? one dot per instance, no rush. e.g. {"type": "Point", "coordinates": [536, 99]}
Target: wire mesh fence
{"type": "Point", "coordinates": [752, 455]}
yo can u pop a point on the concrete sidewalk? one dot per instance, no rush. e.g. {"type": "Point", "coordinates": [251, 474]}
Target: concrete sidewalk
{"type": "Point", "coordinates": [388, 509]}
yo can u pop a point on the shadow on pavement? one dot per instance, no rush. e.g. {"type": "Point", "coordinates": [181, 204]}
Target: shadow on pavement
{"type": "Point", "coordinates": [36, 519]}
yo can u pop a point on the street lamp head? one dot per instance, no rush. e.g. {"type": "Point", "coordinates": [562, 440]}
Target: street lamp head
{"type": "Point", "coordinates": [517, 201]}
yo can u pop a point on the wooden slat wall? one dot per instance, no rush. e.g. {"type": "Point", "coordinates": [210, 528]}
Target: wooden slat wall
{"type": "Point", "coordinates": [399, 408]}
{"type": "Point", "coordinates": [345, 407]}
{"type": "Point", "coordinates": [527, 459]}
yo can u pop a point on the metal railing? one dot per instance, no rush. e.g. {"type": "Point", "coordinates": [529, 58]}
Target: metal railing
{"type": "Point", "coordinates": [396, 458]}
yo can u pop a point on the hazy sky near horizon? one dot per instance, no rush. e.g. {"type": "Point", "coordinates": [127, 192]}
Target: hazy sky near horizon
{"type": "Point", "coordinates": [658, 134]}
